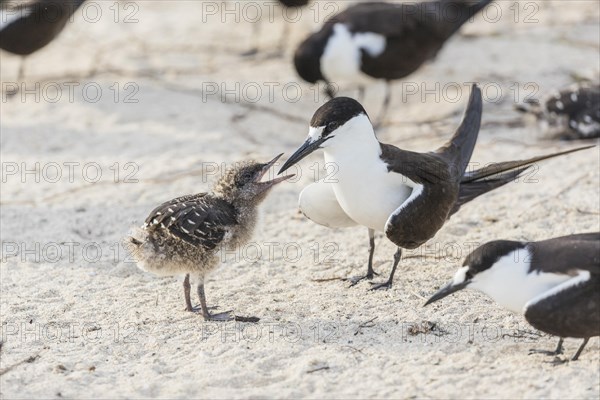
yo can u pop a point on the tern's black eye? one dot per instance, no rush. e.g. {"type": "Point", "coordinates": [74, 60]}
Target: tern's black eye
{"type": "Point", "coordinates": [332, 126]}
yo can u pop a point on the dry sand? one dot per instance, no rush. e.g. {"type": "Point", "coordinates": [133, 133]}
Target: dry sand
{"type": "Point", "coordinates": [97, 327]}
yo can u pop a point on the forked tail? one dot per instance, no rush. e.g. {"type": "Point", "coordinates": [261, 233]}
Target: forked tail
{"type": "Point", "coordinates": [481, 181]}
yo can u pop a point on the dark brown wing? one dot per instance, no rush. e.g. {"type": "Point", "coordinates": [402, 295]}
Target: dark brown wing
{"type": "Point", "coordinates": [457, 152]}
{"type": "Point", "coordinates": [434, 193]}
{"type": "Point", "coordinates": [415, 32]}
{"type": "Point", "coordinates": [39, 23]}
{"type": "Point", "coordinates": [581, 251]}
{"type": "Point", "coordinates": [200, 219]}
{"type": "Point", "coordinates": [437, 175]}
{"type": "Point", "coordinates": [572, 100]}
{"type": "Point", "coordinates": [572, 312]}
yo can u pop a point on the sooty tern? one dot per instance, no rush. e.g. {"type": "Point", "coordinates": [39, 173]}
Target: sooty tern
{"type": "Point", "coordinates": [184, 235]}
{"type": "Point", "coordinates": [572, 113]}
{"type": "Point", "coordinates": [405, 194]}
{"type": "Point", "coordinates": [555, 283]}
{"type": "Point", "coordinates": [378, 40]}
{"type": "Point", "coordinates": [28, 26]}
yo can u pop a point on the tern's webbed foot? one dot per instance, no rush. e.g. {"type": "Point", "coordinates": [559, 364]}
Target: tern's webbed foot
{"type": "Point", "coordinates": [380, 286]}
{"type": "Point", "coordinates": [354, 280]}
{"type": "Point", "coordinates": [558, 361]}
{"type": "Point", "coordinates": [228, 316]}
{"type": "Point", "coordinates": [250, 53]}
{"type": "Point", "coordinates": [545, 352]}
{"type": "Point", "coordinates": [239, 318]}
{"type": "Point", "coordinates": [11, 93]}
{"type": "Point", "coordinates": [220, 317]}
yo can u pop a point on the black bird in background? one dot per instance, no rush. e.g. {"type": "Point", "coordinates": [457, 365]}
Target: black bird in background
{"type": "Point", "coordinates": [572, 113]}
{"type": "Point", "coordinates": [26, 27]}
{"type": "Point", "coordinates": [382, 41]}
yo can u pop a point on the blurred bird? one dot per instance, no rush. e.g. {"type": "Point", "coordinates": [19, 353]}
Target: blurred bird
{"type": "Point", "coordinates": [384, 41]}
{"type": "Point", "coordinates": [405, 194]}
{"type": "Point", "coordinates": [572, 113]}
{"type": "Point", "coordinates": [555, 283]}
{"type": "Point", "coordinates": [27, 26]}
{"type": "Point", "coordinates": [186, 234]}
{"type": "Point", "coordinates": [284, 37]}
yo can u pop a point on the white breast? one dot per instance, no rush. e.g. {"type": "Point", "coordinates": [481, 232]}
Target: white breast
{"type": "Point", "coordinates": [364, 188]}
{"type": "Point", "coordinates": [367, 192]}
{"type": "Point", "coordinates": [319, 204]}
{"type": "Point", "coordinates": [511, 285]}
{"type": "Point", "coordinates": [341, 59]}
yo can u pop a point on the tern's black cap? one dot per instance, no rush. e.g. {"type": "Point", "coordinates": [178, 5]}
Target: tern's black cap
{"type": "Point", "coordinates": [336, 112]}
{"type": "Point", "coordinates": [489, 253]}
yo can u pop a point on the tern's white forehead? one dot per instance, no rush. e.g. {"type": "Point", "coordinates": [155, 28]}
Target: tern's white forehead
{"type": "Point", "coordinates": [460, 276]}
{"type": "Point", "coordinates": [315, 133]}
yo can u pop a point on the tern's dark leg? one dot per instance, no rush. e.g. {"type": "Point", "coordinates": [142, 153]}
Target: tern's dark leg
{"type": "Point", "coordinates": [285, 35]}
{"type": "Point", "coordinates": [559, 346]}
{"type": "Point", "coordinates": [329, 90]}
{"type": "Point", "coordinates": [386, 104]}
{"type": "Point", "coordinates": [20, 77]}
{"type": "Point", "coordinates": [580, 349]}
{"type": "Point", "coordinates": [361, 93]}
{"type": "Point", "coordinates": [186, 293]}
{"type": "Point", "coordinates": [255, 38]}
{"type": "Point", "coordinates": [21, 74]}
{"type": "Point", "coordinates": [370, 272]}
{"type": "Point", "coordinates": [559, 349]}
{"type": "Point", "coordinates": [388, 284]}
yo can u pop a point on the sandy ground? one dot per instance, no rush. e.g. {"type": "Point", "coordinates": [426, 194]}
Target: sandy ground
{"type": "Point", "coordinates": [80, 320]}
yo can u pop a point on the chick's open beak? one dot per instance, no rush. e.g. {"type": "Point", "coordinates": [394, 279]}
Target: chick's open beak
{"type": "Point", "coordinates": [264, 171]}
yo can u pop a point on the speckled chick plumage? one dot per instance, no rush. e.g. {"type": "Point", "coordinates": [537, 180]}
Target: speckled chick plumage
{"type": "Point", "coordinates": [185, 235]}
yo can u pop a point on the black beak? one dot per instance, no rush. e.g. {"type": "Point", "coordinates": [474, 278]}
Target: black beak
{"type": "Point", "coordinates": [264, 171]}
{"type": "Point", "coordinates": [304, 150]}
{"type": "Point", "coordinates": [445, 291]}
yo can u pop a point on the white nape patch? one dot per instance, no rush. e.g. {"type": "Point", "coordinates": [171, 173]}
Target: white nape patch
{"type": "Point", "coordinates": [315, 133]}
{"type": "Point", "coordinates": [341, 59]}
{"type": "Point", "coordinates": [318, 203]}
{"type": "Point", "coordinates": [8, 16]}
{"type": "Point", "coordinates": [582, 276]}
{"type": "Point", "coordinates": [510, 283]}
{"type": "Point", "coordinates": [372, 43]}
{"type": "Point", "coordinates": [417, 189]}
{"type": "Point", "coordinates": [460, 276]}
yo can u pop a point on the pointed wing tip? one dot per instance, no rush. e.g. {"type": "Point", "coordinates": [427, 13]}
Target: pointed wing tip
{"type": "Point", "coordinates": [475, 94]}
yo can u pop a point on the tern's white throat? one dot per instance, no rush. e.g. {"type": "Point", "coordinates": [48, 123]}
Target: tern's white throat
{"type": "Point", "coordinates": [362, 184]}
